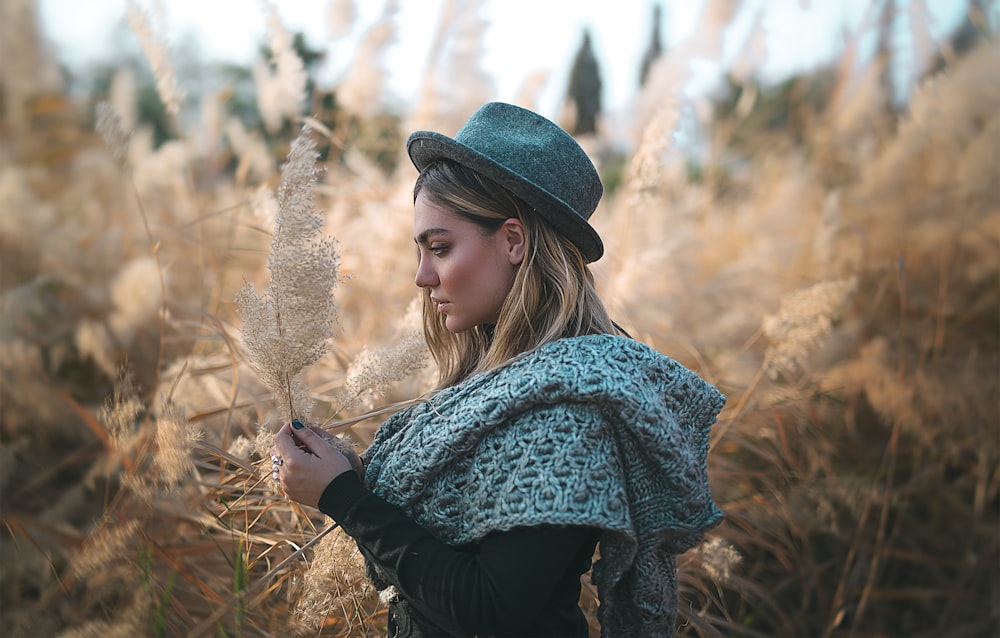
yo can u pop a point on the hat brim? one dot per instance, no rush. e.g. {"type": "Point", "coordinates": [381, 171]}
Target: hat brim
{"type": "Point", "coordinates": [425, 147]}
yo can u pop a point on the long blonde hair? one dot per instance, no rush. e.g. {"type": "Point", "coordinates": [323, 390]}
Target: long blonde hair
{"type": "Point", "coordinates": [553, 294]}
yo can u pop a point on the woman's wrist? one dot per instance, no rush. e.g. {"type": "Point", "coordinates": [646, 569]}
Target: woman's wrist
{"type": "Point", "coordinates": [341, 494]}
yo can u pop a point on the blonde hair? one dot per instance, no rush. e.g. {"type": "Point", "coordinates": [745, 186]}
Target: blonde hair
{"type": "Point", "coordinates": [553, 294]}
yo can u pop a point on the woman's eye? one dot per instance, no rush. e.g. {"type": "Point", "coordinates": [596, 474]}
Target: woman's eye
{"type": "Point", "coordinates": [438, 250]}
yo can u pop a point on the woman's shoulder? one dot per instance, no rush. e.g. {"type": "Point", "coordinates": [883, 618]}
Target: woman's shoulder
{"type": "Point", "coordinates": [614, 365]}
{"type": "Point", "coordinates": [597, 349]}
{"type": "Point", "coordinates": [591, 360]}
{"type": "Point", "coordinates": [596, 366]}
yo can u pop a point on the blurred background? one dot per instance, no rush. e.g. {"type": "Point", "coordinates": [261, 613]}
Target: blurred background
{"type": "Point", "coordinates": [802, 205]}
{"type": "Point", "coordinates": [519, 47]}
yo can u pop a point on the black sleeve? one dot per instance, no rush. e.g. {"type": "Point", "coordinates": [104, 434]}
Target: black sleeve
{"type": "Point", "coordinates": [499, 590]}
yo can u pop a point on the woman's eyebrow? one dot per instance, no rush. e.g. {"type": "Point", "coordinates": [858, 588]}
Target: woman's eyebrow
{"type": "Point", "coordinates": [427, 234]}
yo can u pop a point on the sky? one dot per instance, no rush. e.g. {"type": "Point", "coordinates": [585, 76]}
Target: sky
{"type": "Point", "coordinates": [523, 35]}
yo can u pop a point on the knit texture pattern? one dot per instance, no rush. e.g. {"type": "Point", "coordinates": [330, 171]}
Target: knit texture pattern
{"type": "Point", "coordinates": [599, 431]}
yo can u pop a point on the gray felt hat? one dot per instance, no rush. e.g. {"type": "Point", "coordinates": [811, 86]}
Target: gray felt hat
{"type": "Point", "coordinates": [529, 155]}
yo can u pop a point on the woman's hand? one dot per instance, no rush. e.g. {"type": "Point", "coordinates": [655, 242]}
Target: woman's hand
{"type": "Point", "coordinates": [308, 462]}
{"type": "Point", "coordinates": [345, 448]}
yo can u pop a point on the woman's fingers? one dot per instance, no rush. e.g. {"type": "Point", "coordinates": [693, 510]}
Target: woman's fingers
{"type": "Point", "coordinates": [308, 463]}
{"type": "Point", "coordinates": [303, 439]}
{"type": "Point", "coordinates": [323, 434]}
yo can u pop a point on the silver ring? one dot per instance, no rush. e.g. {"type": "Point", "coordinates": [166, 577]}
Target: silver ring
{"type": "Point", "coordinates": [277, 460]}
{"type": "Point", "coordinates": [275, 475]}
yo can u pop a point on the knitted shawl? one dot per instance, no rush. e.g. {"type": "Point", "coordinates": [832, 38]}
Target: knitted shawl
{"type": "Point", "coordinates": [600, 431]}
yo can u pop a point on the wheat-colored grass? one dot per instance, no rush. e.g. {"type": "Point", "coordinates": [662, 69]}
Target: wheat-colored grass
{"type": "Point", "coordinates": [838, 279]}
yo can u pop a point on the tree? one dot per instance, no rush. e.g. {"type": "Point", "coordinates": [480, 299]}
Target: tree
{"type": "Point", "coordinates": [655, 48]}
{"type": "Point", "coordinates": [585, 88]}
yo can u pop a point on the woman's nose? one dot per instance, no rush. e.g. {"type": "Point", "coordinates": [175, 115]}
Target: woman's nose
{"type": "Point", "coordinates": [425, 275]}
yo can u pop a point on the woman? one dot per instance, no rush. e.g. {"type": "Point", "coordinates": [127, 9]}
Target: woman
{"type": "Point", "coordinates": [549, 434]}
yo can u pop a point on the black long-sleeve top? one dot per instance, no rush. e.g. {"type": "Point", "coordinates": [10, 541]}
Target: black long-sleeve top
{"type": "Point", "coordinates": [521, 582]}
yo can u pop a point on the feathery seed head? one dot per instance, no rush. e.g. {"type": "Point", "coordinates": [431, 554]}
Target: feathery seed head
{"type": "Point", "coordinates": [286, 328]}
{"type": "Point", "coordinates": [372, 373]}
{"type": "Point", "coordinates": [263, 442]}
{"type": "Point", "coordinates": [336, 574]}
{"type": "Point", "coordinates": [137, 297]}
{"type": "Point", "coordinates": [340, 17]}
{"type": "Point", "coordinates": [241, 447]}
{"type": "Point", "coordinates": [93, 341]}
{"type": "Point", "coordinates": [805, 318]}
{"type": "Point", "coordinates": [719, 559]}
{"type": "Point", "coordinates": [155, 47]}
{"type": "Point", "coordinates": [173, 444]}
{"type": "Point", "coordinates": [361, 90]}
{"type": "Point", "coordinates": [111, 128]}
{"type": "Point", "coordinates": [281, 84]}
{"type": "Point", "coordinates": [119, 414]}
{"type": "Point", "coordinates": [104, 546]}
{"type": "Point", "coordinates": [122, 97]}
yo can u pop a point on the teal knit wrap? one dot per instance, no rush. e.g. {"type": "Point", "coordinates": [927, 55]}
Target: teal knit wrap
{"type": "Point", "coordinates": [599, 431]}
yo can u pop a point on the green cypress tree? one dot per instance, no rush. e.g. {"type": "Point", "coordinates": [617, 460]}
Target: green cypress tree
{"type": "Point", "coordinates": [585, 88]}
{"type": "Point", "coordinates": [655, 48]}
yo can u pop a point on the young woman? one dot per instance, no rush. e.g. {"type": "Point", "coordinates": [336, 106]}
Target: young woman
{"type": "Point", "coordinates": [550, 433]}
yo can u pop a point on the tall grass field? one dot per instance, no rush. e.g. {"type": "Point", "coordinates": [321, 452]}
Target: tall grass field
{"type": "Point", "coordinates": [185, 265]}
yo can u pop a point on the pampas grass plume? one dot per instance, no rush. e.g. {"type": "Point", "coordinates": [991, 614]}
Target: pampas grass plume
{"type": "Point", "coordinates": [335, 575]}
{"type": "Point", "coordinates": [340, 16]}
{"type": "Point", "coordinates": [286, 328]}
{"type": "Point", "coordinates": [281, 84]}
{"type": "Point", "coordinates": [137, 297]}
{"type": "Point", "coordinates": [719, 559]}
{"type": "Point", "coordinates": [107, 545]}
{"type": "Point", "coordinates": [802, 323]}
{"type": "Point", "coordinates": [111, 128]}
{"type": "Point", "coordinates": [119, 414]}
{"type": "Point", "coordinates": [373, 372]}
{"type": "Point", "coordinates": [361, 90]}
{"type": "Point", "coordinates": [93, 342]}
{"type": "Point", "coordinates": [155, 48]}
{"type": "Point", "coordinates": [254, 159]}
{"type": "Point", "coordinates": [173, 444]}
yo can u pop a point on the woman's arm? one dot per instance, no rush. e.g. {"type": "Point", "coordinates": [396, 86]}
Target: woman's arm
{"type": "Point", "coordinates": [500, 590]}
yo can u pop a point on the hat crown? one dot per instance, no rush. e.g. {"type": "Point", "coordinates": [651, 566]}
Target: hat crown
{"type": "Point", "coordinates": [535, 147]}
{"type": "Point", "coordinates": [531, 156]}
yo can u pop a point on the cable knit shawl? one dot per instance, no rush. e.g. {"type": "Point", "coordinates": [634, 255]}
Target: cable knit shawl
{"type": "Point", "coordinates": [600, 431]}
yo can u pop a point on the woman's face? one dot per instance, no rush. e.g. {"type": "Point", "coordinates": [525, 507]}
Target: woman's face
{"type": "Point", "coordinates": [466, 274]}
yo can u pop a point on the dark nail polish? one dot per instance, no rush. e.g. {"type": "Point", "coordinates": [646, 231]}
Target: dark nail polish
{"type": "Point", "coordinates": [297, 424]}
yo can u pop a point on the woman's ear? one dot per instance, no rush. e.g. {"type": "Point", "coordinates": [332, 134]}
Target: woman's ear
{"type": "Point", "coordinates": [515, 240]}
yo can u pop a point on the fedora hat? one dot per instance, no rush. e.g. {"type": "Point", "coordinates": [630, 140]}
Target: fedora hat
{"type": "Point", "coordinates": [530, 156]}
